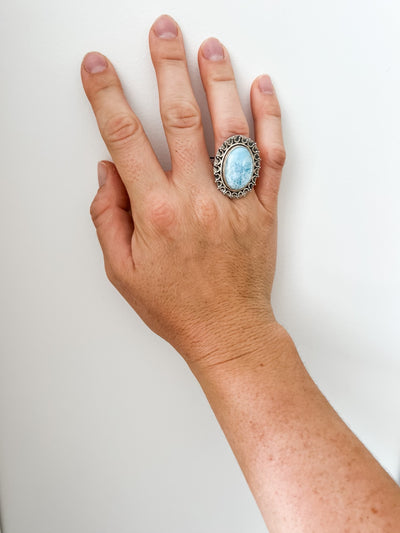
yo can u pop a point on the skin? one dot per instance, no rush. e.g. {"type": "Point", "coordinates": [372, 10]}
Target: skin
{"type": "Point", "coordinates": [198, 268]}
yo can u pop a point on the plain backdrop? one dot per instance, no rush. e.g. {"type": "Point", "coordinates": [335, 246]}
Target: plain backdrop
{"type": "Point", "coordinates": [103, 429]}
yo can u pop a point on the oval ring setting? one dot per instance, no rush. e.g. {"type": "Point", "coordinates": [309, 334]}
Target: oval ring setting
{"type": "Point", "coordinates": [236, 166]}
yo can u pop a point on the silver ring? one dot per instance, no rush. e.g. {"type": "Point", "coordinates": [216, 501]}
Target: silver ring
{"type": "Point", "coordinates": [236, 166]}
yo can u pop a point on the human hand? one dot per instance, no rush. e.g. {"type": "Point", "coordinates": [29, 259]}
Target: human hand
{"type": "Point", "coordinates": [195, 265]}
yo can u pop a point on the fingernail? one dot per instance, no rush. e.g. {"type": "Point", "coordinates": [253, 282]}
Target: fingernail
{"type": "Point", "coordinates": [94, 62]}
{"type": "Point", "coordinates": [212, 49]}
{"type": "Point", "coordinates": [165, 27]}
{"type": "Point", "coordinates": [101, 173]}
{"type": "Point", "coordinates": [265, 84]}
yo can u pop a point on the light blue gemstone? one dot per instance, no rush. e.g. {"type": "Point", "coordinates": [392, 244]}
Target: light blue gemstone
{"type": "Point", "coordinates": [238, 167]}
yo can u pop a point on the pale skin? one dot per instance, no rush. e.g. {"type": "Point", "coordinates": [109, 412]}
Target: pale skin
{"type": "Point", "coordinates": [198, 268]}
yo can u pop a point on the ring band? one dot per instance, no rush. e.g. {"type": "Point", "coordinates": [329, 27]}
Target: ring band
{"type": "Point", "coordinates": [236, 166]}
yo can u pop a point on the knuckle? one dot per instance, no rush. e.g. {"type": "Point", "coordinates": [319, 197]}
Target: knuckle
{"type": "Point", "coordinates": [268, 219]}
{"type": "Point", "coordinates": [181, 114]}
{"type": "Point", "coordinates": [241, 222]}
{"type": "Point", "coordinates": [174, 58]}
{"type": "Point", "coordinates": [273, 109]}
{"type": "Point", "coordinates": [117, 273]}
{"type": "Point", "coordinates": [99, 209]}
{"type": "Point", "coordinates": [111, 273]}
{"type": "Point", "coordinates": [276, 156]}
{"type": "Point", "coordinates": [206, 211]}
{"type": "Point", "coordinates": [222, 76]}
{"type": "Point", "coordinates": [120, 129]}
{"type": "Point", "coordinates": [161, 214]}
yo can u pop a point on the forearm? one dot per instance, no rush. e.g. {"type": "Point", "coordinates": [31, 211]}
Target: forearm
{"type": "Point", "coordinates": [307, 470]}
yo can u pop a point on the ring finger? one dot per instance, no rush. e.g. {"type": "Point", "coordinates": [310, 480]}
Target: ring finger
{"type": "Point", "coordinates": [223, 99]}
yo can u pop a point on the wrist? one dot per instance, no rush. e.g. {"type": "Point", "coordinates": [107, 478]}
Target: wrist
{"type": "Point", "coordinates": [248, 339]}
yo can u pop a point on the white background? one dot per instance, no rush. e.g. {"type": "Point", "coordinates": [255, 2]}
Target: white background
{"type": "Point", "coordinates": [103, 429]}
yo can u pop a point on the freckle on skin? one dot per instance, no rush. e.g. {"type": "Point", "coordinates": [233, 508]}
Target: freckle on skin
{"type": "Point", "coordinates": [375, 511]}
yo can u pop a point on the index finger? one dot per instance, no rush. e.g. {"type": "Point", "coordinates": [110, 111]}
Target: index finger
{"type": "Point", "coordinates": [121, 129]}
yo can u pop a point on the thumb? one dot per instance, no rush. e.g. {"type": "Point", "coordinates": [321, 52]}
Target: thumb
{"type": "Point", "coordinates": [111, 215]}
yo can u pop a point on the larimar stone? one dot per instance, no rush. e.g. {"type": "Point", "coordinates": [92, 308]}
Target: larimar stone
{"type": "Point", "coordinates": [238, 167]}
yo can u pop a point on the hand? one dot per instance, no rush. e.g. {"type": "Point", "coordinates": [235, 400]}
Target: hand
{"type": "Point", "coordinates": [193, 263]}
{"type": "Point", "coordinates": [198, 268]}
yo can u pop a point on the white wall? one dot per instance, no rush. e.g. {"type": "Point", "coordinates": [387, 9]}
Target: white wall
{"type": "Point", "coordinates": [102, 426]}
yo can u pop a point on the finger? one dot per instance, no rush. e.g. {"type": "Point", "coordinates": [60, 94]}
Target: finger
{"type": "Point", "coordinates": [268, 133]}
{"type": "Point", "coordinates": [120, 128]}
{"type": "Point", "coordinates": [223, 99]}
{"type": "Point", "coordinates": [110, 211]}
{"type": "Point", "coordinates": [180, 112]}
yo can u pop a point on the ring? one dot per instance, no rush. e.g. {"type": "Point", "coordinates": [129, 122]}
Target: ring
{"type": "Point", "coordinates": [236, 166]}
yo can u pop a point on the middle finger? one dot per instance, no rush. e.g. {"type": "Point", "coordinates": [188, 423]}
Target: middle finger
{"type": "Point", "coordinates": [180, 112]}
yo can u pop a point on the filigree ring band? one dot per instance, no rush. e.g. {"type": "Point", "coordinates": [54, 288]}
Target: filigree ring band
{"type": "Point", "coordinates": [236, 166]}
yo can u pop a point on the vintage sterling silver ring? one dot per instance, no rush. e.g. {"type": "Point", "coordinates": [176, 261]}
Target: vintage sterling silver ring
{"type": "Point", "coordinates": [236, 166]}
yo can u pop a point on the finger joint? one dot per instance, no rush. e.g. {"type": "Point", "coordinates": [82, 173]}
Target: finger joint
{"type": "Point", "coordinates": [276, 156]}
{"type": "Point", "coordinates": [121, 129]}
{"type": "Point", "coordinates": [181, 115]}
{"type": "Point", "coordinates": [99, 209]}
